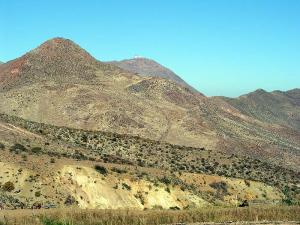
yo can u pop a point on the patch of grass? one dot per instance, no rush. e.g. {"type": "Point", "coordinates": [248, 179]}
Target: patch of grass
{"type": "Point", "coordinates": [48, 221]}
{"type": "Point", "coordinates": [151, 217]}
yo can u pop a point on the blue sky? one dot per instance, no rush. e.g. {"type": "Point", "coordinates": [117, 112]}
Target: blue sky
{"type": "Point", "coordinates": [221, 47]}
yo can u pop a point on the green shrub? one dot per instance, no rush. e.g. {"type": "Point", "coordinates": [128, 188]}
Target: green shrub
{"type": "Point", "coordinates": [8, 186]}
{"type": "Point", "coordinates": [18, 147]}
{"type": "Point", "coordinates": [70, 200]}
{"type": "Point", "coordinates": [126, 186]}
{"type": "Point", "coordinates": [117, 170]}
{"type": "Point", "coordinates": [140, 197]}
{"type": "Point", "coordinates": [2, 146]}
{"type": "Point", "coordinates": [101, 169]}
{"type": "Point", "coordinates": [168, 190]}
{"type": "Point", "coordinates": [221, 188]}
{"type": "Point", "coordinates": [36, 150]}
{"type": "Point", "coordinates": [165, 180]}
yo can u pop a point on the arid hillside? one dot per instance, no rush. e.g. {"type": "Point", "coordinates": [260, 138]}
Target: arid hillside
{"type": "Point", "coordinates": [277, 107]}
{"type": "Point", "coordinates": [148, 67]}
{"type": "Point", "coordinates": [63, 167]}
{"type": "Point", "coordinates": [61, 84]}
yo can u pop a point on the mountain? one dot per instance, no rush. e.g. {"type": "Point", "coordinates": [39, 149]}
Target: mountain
{"type": "Point", "coordinates": [277, 107]}
{"type": "Point", "coordinates": [61, 84]}
{"type": "Point", "coordinates": [148, 67]}
{"type": "Point", "coordinates": [71, 125]}
{"type": "Point", "coordinates": [58, 60]}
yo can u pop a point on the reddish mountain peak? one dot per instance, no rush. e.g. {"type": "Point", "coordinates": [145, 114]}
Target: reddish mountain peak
{"type": "Point", "coordinates": [56, 59]}
{"type": "Point", "coordinates": [61, 47]}
{"type": "Point", "coordinates": [56, 43]}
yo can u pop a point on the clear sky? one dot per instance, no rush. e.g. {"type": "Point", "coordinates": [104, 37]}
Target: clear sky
{"type": "Point", "coordinates": [221, 47]}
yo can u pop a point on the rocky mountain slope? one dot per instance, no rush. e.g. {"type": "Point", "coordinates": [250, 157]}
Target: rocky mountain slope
{"type": "Point", "coordinates": [277, 107]}
{"type": "Point", "coordinates": [148, 67]}
{"type": "Point", "coordinates": [61, 84]}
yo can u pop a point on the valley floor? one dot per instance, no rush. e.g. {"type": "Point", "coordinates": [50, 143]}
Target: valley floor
{"type": "Point", "coordinates": [254, 215]}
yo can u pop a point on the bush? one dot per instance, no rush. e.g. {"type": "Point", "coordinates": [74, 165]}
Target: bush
{"type": "Point", "coordinates": [247, 182]}
{"type": "Point", "coordinates": [18, 147]}
{"type": "Point", "coordinates": [126, 186]}
{"type": "Point", "coordinates": [101, 169]}
{"type": "Point", "coordinates": [165, 180]}
{"type": "Point", "coordinates": [117, 170]}
{"type": "Point", "coordinates": [2, 146]}
{"type": "Point", "coordinates": [140, 197]}
{"type": "Point", "coordinates": [221, 188]}
{"type": "Point", "coordinates": [36, 150]}
{"type": "Point", "coordinates": [168, 190]}
{"type": "Point", "coordinates": [8, 186]}
{"type": "Point", "coordinates": [70, 200]}
{"type": "Point", "coordinates": [37, 194]}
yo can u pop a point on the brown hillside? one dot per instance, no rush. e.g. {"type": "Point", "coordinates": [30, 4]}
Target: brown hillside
{"type": "Point", "coordinates": [61, 84]}
{"type": "Point", "coordinates": [147, 67]}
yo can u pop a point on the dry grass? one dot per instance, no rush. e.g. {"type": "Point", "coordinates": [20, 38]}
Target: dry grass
{"type": "Point", "coordinates": [151, 217]}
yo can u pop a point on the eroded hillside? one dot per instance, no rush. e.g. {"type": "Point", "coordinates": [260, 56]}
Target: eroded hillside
{"type": "Point", "coordinates": [60, 167]}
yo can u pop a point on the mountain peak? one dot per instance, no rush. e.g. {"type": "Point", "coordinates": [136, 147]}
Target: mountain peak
{"type": "Point", "coordinates": [61, 47]}
{"type": "Point", "coordinates": [58, 40]}
{"type": "Point", "coordinates": [260, 91]}
{"type": "Point", "coordinates": [56, 59]}
{"type": "Point", "coordinates": [56, 43]}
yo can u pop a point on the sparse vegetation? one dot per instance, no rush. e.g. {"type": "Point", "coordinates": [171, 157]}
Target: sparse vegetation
{"type": "Point", "coordinates": [128, 151]}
